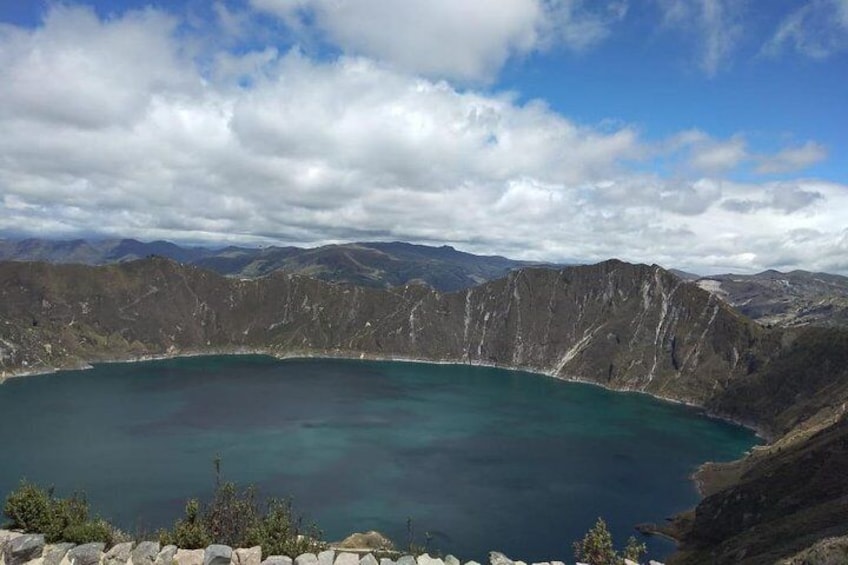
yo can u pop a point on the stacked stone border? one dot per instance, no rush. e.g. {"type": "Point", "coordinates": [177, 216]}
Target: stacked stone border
{"type": "Point", "coordinates": [30, 549]}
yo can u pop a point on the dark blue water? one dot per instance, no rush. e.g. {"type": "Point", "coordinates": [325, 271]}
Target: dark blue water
{"type": "Point", "coordinates": [482, 458]}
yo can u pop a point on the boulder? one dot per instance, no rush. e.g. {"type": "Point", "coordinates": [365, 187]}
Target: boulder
{"type": "Point", "coordinates": [166, 555]}
{"type": "Point", "coordinates": [19, 550]}
{"type": "Point", "coordinates": [451, 560]}
{"type": "Point", "coordinates": [217, 554]}
{"type": "Point", "coordinates": [119, 554]}
{"type": "Point", "coordinates": [472, 563]}
{"type": "Point", "coordinates": [386, 561]}
{"type": "Point", "coordinates": [326, 557]}
{"type": "Point", "coordinates": [425, 559]}
{"type": "Point", "coordinates": [557, 563]}
{"type": "Point", "coordinates": [406, 560]}
{"type": "Point", "coordinates": [86, 554]}
{"type": "Point", "coordinates": [629, 562]}
{"type": "Point", "coordinates": [374, 541]}
{"type": "Point", "coordinates": [306, 559]}
{"type": "Point", "coordinates": [368, 560]}
{"type": "Point", "coordinates": [277, 560]}
{"type": "Point", "coordinates": [248, 556]}
{"type": "Point", "coordinates": [145, 553]}
{"type": "Point", "coordinates": [54, 553]}
{"type": "Point", "coordinates": [347, 559]}
{"type": "Point", "coordinates": [187, 556]}
{"type": "Point", "coordinates": [498, 558]}
{"type": "Point", "coordinates": [652, 562]}
{"type": "Point", "coordinates": [542, 563]}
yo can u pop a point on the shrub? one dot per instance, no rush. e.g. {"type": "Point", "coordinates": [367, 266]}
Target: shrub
{"type": "Point", "coordinates": [280, 532]}
{"type": "Point", "coordinates": [35, 510]}
{"type": "Point", "coordinates": [596, 547]}
{"type": "Point", "coordinates": [89, 531]}
{"type": "Point", "coordinates": [29, 508]}
{"type": "Point", "coordinates": [189, 532]}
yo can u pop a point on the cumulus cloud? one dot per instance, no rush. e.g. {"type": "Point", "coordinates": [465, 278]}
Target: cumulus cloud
{"type": "Point", "coordinates": [275, 147]}
{"type": "Point", "coordinates": [817, 29]}
{"type": "Point", "coordinates": [715, 24]}
{"type": "Point", "coordinates": [468, 40]}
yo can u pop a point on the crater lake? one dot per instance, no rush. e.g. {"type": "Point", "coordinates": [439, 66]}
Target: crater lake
{"type": "Point", "coordinates": [481, 458]}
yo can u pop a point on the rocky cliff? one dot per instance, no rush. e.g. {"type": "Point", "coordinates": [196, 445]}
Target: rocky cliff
{"type": "Point", "coordinates": [632, 327]}
{"type": "Point", "coordinates": [624, 326]}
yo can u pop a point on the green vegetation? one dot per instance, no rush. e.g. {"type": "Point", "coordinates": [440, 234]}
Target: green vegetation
{"type": "Point", "coordinates": [234, 517]}
{"type": "Point", "coordinates": [596, 547]}
{"type": "Point", "coordinates": [34, 509]}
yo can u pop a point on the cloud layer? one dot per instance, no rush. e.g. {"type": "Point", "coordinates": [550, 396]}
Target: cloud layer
{"type": "Point", "coordinates": [113, 127]}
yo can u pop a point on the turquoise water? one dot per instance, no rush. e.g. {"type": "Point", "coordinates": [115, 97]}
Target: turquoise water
{"type": "Point", "coordinates": [482, 458]}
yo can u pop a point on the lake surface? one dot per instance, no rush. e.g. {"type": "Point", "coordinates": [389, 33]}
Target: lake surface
{"type": "Point", "coordinates": [484, 459]}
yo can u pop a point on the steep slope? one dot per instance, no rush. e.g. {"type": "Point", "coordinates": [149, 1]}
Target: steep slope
{"type": "Point", "coordinates": [624, 326]}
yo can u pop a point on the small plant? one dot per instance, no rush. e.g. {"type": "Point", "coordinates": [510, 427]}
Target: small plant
{"type": "Point", "coordinates": [596, 547]}
{"type": "Point", "coordinates": [189, 532]}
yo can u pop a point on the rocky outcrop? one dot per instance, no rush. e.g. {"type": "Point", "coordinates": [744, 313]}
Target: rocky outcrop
{"type": "Point", "coordinates": [624, 326]}
{"type": "Point", "coordinates": [31, 546]}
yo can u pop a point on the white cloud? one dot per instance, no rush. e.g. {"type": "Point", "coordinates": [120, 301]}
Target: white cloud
{"type": "Point", "coordinates": [468, 40]}
{"type": "Point", "coordinates": [138, 142]}
{"type": "Point", "coordinates": [792, 159]}
{"type": "Point", "coordinates": [818, 29]}
{"type": "Point", "coordinates": [714, 23]}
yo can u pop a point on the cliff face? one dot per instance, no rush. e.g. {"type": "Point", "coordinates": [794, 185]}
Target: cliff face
{"type": "Point", "coordinates": [624, 326]}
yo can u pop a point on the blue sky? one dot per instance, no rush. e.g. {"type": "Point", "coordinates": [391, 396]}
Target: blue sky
{"type": "Point", "coordinates": [700, 134]}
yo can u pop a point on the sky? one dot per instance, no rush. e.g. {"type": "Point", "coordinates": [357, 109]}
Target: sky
{"type": "Point", "coordinates": [705, 135]}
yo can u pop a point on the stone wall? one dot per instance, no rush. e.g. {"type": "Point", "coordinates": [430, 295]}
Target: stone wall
{"type": "Point", "coordinates": [30, 549]}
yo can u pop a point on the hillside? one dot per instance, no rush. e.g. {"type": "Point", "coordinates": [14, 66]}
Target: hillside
{"type": "Point", "coordinates": [372, 264]}
{"type": "Point", "coordinates": [627, 327]}
{"type": "Point", "coordinates": [797, 298]}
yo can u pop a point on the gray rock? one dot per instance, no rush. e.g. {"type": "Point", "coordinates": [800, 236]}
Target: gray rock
{"type": "Point", "coordinates": [347, 559]}
{"type": "Point", "coordinates": [425, 559]}
{"type": "Point", "coordinates": [630, 562]}
{"type": "Point", "coordinates": [386, 561]}
{"type": "Point", "coordinates": [86, 554]}
{"type": "Point", "coordinates": [368, 560]}
{"type": "Point", "coordinates": [542, 563]}
{"type": "Point", "coordinates": [187, 556]}
{"type": "Point", "coordinates": [145, 553]}
{"type": "Point", "coordinates": [217, 554]}
{"type": "Point", "coordinates": [119, 554]}
{"type": "Point", "coordinates": [472, 563]}
{"type": "Point", "coordinates": [652, 562]}
{"type": "Point", "coordinates": [557, 563]}
{"type": "Point", "coordinates": [54, 553]}
{"type": "Point", "coordinates": [498, 558]}
{"type": "Point", "coordinates": [406, 560]}
{"type": "Point", "coordinates": [277, 560]}
{"type": "Point", "coordinates": [451, 560]}
{"type": "Point", "coordinates": [326, 557]}
{"type": "Point", "coordinates": [166, 556]}
{"type": "Point", "coordinates": [24, 548]}
{"type": "Point", "coordinates": [248, 556]}
{"type": "Point", "coordinates": [306, 559]}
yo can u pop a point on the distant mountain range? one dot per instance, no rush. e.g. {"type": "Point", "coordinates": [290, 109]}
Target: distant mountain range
{"type": "Point", "coordinates": [378, 265]}
{"type": "Point", "coordinates": [797, 298]}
